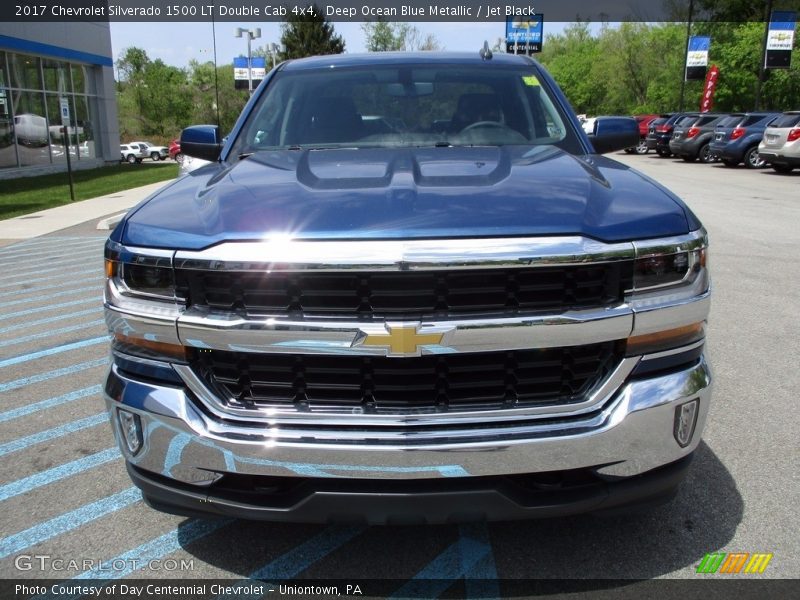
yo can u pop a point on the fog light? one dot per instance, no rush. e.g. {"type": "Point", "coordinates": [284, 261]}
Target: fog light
{"type": "Point", "coordinates": [131, 427]}
{"type": "Point", "coordinates": [685, 420]}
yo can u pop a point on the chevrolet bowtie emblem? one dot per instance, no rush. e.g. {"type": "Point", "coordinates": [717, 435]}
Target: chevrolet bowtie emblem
{"type": "Point", "coordinates": [401, 339]}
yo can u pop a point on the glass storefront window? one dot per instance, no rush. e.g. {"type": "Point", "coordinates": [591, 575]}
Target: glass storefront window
{"type": "Point", "coordinates": [30, 128]}
{"type": "Point", "coordinates": [81, 81]}
{"type": "Point", "coordinates": [56, 76]}
{"type": "Point", "coordinates": [25, 72]}
{"type": "Point", "coordinates": [8, 152]}
{"type": "Point", "coordinates": [83, 119]}
{"type": "Point", "coordinates": [31, 90]}
{"type": "Point", "coordinates": [55, 131]}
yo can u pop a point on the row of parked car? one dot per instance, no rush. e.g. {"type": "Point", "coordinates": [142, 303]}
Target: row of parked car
{"type": "Point", "coordinates": [136, 152]}
{"type": "Point", "coordinates": [756, 139]}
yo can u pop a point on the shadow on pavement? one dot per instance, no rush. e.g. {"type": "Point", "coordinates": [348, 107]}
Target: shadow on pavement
{"type": "Point", "coordinates": [702, 518]}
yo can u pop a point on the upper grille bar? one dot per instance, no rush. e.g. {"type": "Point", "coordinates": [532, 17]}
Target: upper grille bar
{"type": "Point", "coordinates": [409, 294]}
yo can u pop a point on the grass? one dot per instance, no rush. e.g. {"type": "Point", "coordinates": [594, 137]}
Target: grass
{"type": "Point", "coordinates": [30, 194]}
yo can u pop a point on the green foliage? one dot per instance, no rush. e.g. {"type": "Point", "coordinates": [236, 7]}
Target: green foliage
{"type": "Point", "coordinates": [382, 36]}
{"type": "Point", "coordinates": [156, 101]}
{"type": "Point", "coordinates": [309, 35]}
{"type": "Point", "coordinates": [637, 68]}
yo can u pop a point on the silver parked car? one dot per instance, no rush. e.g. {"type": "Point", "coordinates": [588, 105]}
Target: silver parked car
{"type": "Point", "coordinates": [780, 146]}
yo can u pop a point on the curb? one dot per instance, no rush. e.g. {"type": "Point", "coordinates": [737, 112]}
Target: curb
{"type": "Point", "coordinates": [111, 222]}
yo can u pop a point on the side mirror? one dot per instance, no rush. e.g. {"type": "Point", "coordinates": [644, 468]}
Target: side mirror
{"type": "Point", "coordinates": [614, 133]}
{"type": "Point", "coordinates": [201, 141]}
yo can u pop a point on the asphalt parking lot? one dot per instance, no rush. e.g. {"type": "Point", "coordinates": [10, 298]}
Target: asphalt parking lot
{"type": "Point", "coordinates": [64, 492]}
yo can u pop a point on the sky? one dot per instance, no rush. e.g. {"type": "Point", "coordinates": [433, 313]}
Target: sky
{"type": "Point", "coordinates": [178, 43]}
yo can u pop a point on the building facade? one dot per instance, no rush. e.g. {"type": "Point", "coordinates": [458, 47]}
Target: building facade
{"type": "Point", "coordinates": [57, 96]}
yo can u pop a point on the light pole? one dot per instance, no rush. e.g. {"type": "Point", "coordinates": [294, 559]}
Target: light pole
{"type": "Point", "coordinates": [252, 34]}
{"type": "Point", "coordinates": [273, 51]}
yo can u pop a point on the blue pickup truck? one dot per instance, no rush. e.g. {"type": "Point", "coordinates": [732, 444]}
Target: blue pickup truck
{"type": "Point", "coordinates": [408, 288]}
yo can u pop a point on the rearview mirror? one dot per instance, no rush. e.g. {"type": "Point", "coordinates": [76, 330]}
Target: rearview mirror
{"type": "Point", "coordinates": [201, 141]}
{"type": "Point", "coordinates": [614, 133]}
{"type": "Point", "coordinates": [409, 90]}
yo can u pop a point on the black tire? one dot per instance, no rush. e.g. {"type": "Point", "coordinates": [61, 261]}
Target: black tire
{"type": "Point", "coordinates": [705, 155]}
{"type": "Point", "coordinates": [642, 148]}
{"type": "Point", "coordinates": [782, 168]}
{"type": "Point", "coordinates": [628, 150]}
{"type": "Point", "coordinates": [155, 156]}
{"type": "Point", "coordinates": [752, 160]}
{"type": "Point", "coordinates": [730, 163]}
{"type": "Point", "coordinates": [179, 157]}
{"type": "Point", "coordinates": [664, 153]}
{"type": "Point", "coordinates": [130, 158]}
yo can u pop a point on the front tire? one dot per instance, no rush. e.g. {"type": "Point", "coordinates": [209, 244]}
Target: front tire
{"type": "Point", "coordinates": [642, 147]}
{"type": "Point", "coordinates": [131, 159]}
{"type": "Point", "coordinates": [155, 156]}
{"type": "Point", "coordinates": [752, 160]}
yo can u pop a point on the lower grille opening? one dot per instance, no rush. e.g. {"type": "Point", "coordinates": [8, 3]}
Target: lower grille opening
{"type": "Point", "coordinates": [431, 383]}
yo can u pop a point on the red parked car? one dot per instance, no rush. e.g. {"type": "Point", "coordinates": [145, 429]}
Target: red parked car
{"type": "Point", "coordinates": [175, 150]}
{"type": "Point", "coordinates": [644, 124]}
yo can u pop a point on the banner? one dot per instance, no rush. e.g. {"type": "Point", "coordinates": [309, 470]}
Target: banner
{"type": "Point", "coordinates": [697, 58]}
{"type": "Point", "coordinates": [258, 69]}
{"type": "Point", "coordinates": [780, 39]}
{"type": "Point", "coordinates": [707, 102]}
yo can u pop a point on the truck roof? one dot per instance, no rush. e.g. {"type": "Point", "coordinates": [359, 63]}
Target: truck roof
{"type": "Point", "coordinates": [399, 58]}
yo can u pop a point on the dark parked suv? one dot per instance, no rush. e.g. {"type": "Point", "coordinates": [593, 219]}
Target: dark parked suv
{"type": "Point", "coordinates": [691, 138]}
{"type": "Point", "coordinates": [737, 142]}
{"type": "Point", "coordinates": [660, 133]}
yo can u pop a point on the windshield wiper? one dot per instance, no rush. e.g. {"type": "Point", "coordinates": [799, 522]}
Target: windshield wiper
{"type": "Point", "coordinates": [245, 155]}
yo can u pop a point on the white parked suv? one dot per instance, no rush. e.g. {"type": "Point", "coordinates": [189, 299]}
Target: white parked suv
{"type": "Point", "coordinates": [152, 151]}
{"type": "Point", "coordinates": [131, 153]}
{"type": "Point", "coordinates": [780, 146]}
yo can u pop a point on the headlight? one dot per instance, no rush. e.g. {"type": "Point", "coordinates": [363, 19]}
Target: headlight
{"type": "Point", "coordinates": [157, 281]}
{"type": "Point", "coordinates": [665, 270]}
{"type": "Point", "coordinates": [144, 273]}
{"type": "Point", "coordinates": [670, 293]}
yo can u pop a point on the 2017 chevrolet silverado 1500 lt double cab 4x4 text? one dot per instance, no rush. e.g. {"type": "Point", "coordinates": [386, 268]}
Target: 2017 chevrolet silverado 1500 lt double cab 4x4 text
{"type": "Point", "coordinates": [407, 288]}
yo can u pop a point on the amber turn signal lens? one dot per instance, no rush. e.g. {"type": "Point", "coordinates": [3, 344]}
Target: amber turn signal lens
{"type": "Point", "coordinates": [111, 268]}
{"type": "Point", "coordinates": [664, 340]}
{"type": "Point", "coordinates": [162, 348]}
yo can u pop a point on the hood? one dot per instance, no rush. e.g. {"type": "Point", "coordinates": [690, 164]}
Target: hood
{"type": "Point", "coordinates": [405, 194]}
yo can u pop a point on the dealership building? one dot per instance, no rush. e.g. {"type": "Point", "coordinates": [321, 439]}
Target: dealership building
{"type": "Point", "coordinates": [56, 78]}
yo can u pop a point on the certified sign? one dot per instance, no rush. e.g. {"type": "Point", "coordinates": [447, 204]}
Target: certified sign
{"type": "Point", "coordinates": [524, 33]}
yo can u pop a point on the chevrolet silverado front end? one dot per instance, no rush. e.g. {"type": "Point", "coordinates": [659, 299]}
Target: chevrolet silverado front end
{"type": "Point", "coordinates": [407, 289]}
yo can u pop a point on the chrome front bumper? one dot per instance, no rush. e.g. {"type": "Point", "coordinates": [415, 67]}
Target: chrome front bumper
{"type": "Point", "coordinates": [631, 434]}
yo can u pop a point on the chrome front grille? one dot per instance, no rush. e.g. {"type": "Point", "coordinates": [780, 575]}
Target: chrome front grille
{"type": "Point", "coordinates": [430, 383]}
{"type": "Point", "coordinates": [409, 294]}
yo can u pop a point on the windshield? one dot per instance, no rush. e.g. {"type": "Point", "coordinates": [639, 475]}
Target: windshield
{"type": "Point", "coordinates": [397, 106]}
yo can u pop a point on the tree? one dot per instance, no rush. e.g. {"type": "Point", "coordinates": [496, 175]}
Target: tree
{"type": "Point", "coordinates": [153, 98]}
{"type": "Point", "coordinates": [309, 35]}
{"type": "Point", "coordinates": [382, 36]}
{"type": "Point", "coordinates": [231, 101]}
